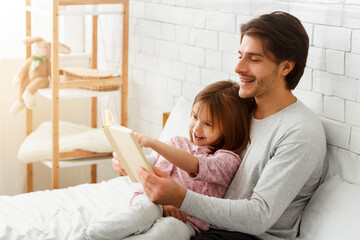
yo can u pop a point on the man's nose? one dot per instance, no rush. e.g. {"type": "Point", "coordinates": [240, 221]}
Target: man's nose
{"type": "Point", "coordinates": [240, 66]}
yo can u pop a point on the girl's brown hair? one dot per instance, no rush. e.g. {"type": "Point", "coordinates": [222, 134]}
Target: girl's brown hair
{"type": "Point", "coordinates": [229, 112]}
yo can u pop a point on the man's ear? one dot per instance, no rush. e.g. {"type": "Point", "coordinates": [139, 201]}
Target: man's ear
{"type": "Point", "coordinates": [287, 66]}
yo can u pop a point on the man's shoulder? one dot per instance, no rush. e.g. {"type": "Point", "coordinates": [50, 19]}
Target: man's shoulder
{"type": "Point", "coordinates": [299, 114]}
{"type": "Point", "coordinates": [302, 122]}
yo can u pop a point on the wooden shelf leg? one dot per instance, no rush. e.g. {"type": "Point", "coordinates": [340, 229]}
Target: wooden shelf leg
{"type": "Point", "coordinates": [55, 94]}
{"type": "Point", "coordinates": [93, 173]}
{"type": "Point", "coordinates": [29, 177]}
{"type": "Point", "coordinates": [29, 166]}
{"type": "Point", "coordinates": [124, 69]}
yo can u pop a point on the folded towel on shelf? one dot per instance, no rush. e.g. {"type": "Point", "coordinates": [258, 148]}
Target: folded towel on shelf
{"type": "Point", "coordinates": [38, 145]}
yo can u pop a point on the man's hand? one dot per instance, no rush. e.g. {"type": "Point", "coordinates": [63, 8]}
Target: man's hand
{"type": "Point", "coordinates": [171, 211]}
{"type": "Point", "coordinates": [161, 188]}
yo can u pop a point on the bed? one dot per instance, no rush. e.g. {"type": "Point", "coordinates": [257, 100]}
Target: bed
{"type": "Point", "coordinates": [333, 212]}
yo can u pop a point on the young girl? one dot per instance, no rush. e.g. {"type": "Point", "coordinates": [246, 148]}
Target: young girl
{"type": "Point", "coordinates": [219, 131]}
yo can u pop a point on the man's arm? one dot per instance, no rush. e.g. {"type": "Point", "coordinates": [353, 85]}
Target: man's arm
{"type": "Point", "coordinates": [280, 182]}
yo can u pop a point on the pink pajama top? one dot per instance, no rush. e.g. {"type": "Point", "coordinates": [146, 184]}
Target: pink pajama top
{"type": "Point", "coordinates": [215, 172]}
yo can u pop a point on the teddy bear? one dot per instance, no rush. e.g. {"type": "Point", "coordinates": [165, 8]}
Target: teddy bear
{"type": "Point", "coordinates": [35, 73]}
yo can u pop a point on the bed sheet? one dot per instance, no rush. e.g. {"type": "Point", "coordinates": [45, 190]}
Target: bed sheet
{"type": "Point", "coordinates": [62, 213]}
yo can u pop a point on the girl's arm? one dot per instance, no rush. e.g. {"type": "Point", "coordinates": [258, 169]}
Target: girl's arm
{"type": "Point", "coordinates": [180, 158]}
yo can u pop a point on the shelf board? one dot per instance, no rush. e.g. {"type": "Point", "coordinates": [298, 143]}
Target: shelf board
{"type": "Point", "coordinates": [71, 93]}
{"type": "Point", "coordinates": [79, 161]}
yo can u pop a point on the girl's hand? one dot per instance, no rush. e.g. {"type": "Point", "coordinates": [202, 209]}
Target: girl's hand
{"type": "Point", "coordinates": [144, 141]}
{"type": "Point", "coordinates": [117, 165]}
{"type": "Point", "coordinates": [171, 211]}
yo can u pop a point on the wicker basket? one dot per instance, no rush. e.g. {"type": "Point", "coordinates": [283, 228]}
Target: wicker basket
{"type": "Point", "coordinates": [75, 73]}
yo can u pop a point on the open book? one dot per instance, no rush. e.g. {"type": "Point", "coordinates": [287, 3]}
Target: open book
{"type": "Point", "coordinates": [126, 146]}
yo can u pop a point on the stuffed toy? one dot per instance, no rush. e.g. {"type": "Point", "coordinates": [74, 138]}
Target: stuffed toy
{"type": "Point", "coordinates": [35, 73]}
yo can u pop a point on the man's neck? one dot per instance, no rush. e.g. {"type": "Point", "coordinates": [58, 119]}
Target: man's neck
{"type": "Point", "coordinates": [269, 105]}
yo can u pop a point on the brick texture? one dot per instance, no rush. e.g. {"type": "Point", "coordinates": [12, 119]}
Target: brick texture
{"type": "Point", "coordinates": [177, 47]}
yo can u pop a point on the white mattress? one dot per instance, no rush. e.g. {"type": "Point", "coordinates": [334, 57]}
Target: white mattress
{"type": "Point", "coordinates": [60, 214]}
{"type": "Point", "coordinates": [38, 145]}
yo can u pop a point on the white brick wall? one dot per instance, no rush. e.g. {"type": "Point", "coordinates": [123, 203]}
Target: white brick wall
{"type": "Point", "coordinates": [316, 58]}
{"type": "Point", "coordinates": [177, 47]}
{"type": "Point", "coordinates": [351, 15]}
{"type": "Point", "coordinates": [355, 140]}
{"type": "Point", "coordinates": [192, 55]}
{"type": "Point", "coordinates": [355, 47]}
{"type": "Point", "coordinates": [352, 68]}
{"type": "Point", "coordinates": [213, 59]}
{"type": "Point", "coordinates": [345, 88]}
{"type": "Point", "coordinates": [316, 13]}
{"type": "Point", "coordinates": [228, 42]}
{"type": "Point", "coordinates": [203, 38]}
{"type": "Point", "coordinates": [192, 75]}
{"type": "Point", "coordinates": [262, 7]}
{"type": "Point", "coordinates": [222, 22]}
{"type": "Point", "coordinates": [306, 80]}
{"type": "Point", "coordinates": [340, 37]}
{"type": "Point", "coordinates": [334, 108]}
{"type": "Point", "coordinates": [335, 61]}
{"type": "Point", "coordinates": [352, 113]}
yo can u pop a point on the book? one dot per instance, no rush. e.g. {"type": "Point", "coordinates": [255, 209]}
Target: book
{"type": "Point", "coordinates": [126, 146]}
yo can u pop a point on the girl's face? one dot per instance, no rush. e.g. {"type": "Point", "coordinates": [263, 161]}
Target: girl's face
{"type": "Point", "coordinates": [202, 128]}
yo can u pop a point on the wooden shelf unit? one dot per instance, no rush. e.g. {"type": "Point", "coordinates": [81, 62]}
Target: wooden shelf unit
{"type": "Point", "coordinates": [56, 85]}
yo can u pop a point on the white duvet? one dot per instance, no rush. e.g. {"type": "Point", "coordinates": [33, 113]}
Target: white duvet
{"type": "Point", "coordinates": [38, 145]}
{"type": "Point", "coordinates": [61, 214]}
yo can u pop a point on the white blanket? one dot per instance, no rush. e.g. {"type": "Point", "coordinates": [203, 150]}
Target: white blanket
{"type": "Point", "coordinates": [61, 214]}
{"type": "Point", "coordinates": [38, 145]}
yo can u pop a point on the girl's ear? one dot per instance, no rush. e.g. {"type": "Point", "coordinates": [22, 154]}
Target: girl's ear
{"type": "Point", "coordinates": [30, 40]}
{"type": "Point", "coordinates": [64, 49]}
{"type": "Point", "coordinates": [287, 66]}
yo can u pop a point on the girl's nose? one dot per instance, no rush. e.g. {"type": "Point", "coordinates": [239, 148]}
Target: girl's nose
{"type": "Point", "coordinates": [197, 127]}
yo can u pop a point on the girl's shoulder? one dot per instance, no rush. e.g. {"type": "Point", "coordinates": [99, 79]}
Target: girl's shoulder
{"type": "Point", "coordinates": [223, 152]}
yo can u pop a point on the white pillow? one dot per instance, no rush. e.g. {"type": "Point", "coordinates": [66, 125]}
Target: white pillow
{"type": "Point", "coordinates": [176, 125]}
{"type": "Point", "coordinates": [343, 163]}
{"type": "Point", "coordinates": [333, 212]}
{"type": "Point", "coordinates": [178, 121]}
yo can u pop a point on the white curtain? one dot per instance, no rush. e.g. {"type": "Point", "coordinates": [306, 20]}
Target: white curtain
{"type": "Point", "coordinates": [12, 128]}
{"type": "Point", "coordinates": [12, 132]}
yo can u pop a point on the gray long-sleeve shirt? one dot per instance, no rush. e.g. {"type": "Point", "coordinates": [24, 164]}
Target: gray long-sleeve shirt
{"type": "Point", "coordinates": [280, 171]}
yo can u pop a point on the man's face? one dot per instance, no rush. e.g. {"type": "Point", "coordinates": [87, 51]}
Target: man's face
{"type": "Point", "coordinates": [259, 76]}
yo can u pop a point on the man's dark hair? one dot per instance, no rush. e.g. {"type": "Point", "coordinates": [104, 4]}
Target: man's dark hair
{"type": "Point", "coordinates": [284, 38]}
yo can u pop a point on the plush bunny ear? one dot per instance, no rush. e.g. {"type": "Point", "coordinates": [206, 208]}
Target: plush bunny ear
{"type": "Point", "coordinates": [30, 40]}
{"type": "Point", "coordinates": [64, 49]}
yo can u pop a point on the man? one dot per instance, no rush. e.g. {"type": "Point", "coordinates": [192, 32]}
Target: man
{"type": "Point", "coordinates": [282, 166]}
